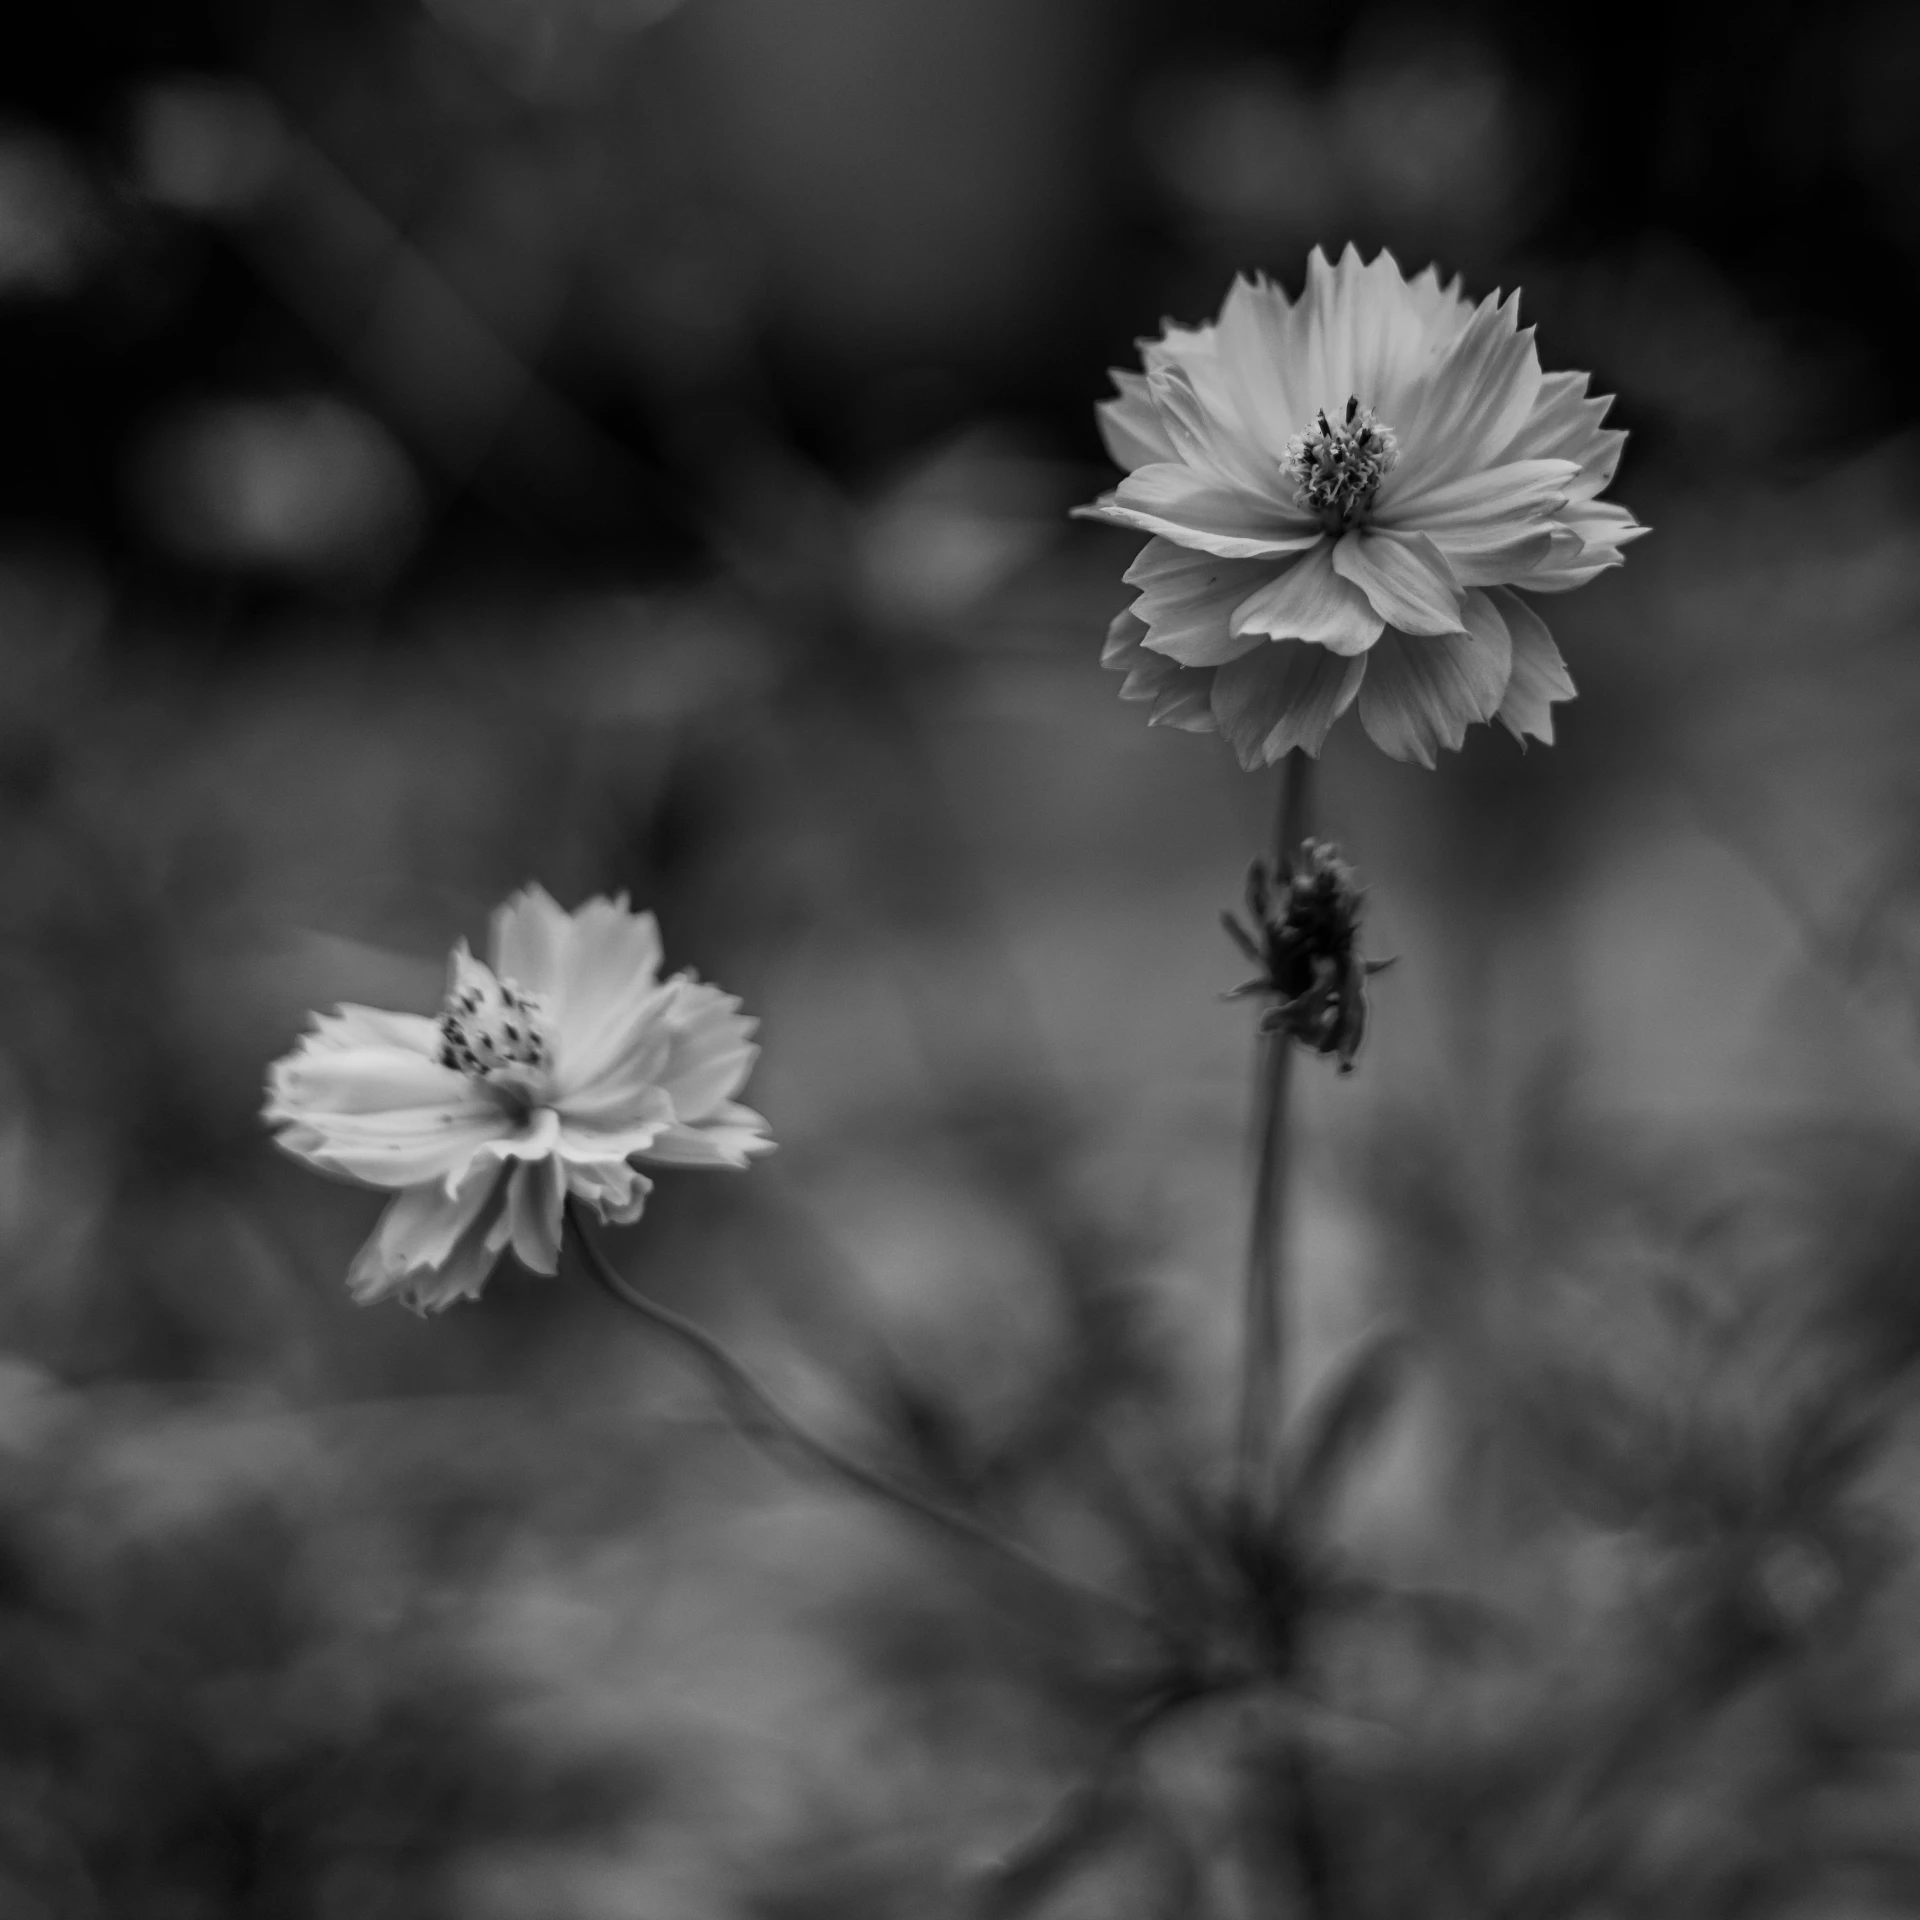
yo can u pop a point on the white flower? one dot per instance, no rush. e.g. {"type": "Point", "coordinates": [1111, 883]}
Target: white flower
{"type": "Point", "coordinates": [548, 1073]}
{"type": "Point", "coordinates": [1343, 492]}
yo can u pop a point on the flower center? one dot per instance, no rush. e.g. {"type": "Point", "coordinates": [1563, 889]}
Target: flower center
{"type": "Point", "coordinates": [489, 1028]}
{"type": "Point", "coordinates": [1337, 466]}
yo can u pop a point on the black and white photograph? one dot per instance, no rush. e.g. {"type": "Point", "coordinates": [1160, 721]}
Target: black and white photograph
{"type": "Point", "coordinates": [959, 960]}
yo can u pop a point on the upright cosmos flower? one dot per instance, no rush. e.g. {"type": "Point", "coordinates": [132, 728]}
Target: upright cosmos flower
{"type": "Point", "coordinates": [1343, 493]}
{"type": "Point", "coordinates": [547, 1073]}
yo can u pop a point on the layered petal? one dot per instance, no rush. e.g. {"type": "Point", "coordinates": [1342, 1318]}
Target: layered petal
{"type": "Point", "coordinates": [627, 1125]}
{"type": "Point", "coordinates": [1523, 493]}
{"type": "Point", "coordinates": [1177, 696]}
{"type": "Point", "coordinates": [352, 1081]}
{"type": "Point", "coordinates": [1257, 377]}
{"type": "Point", "coordinates": [1423, 691]}
{"type": "Point", "coordinates": [433, 1247]}
{"type": "Point", "coordinates": [536, 1195]}
{"type": "Point", "coordinates": [531, 937]}
{"type": "Point", "coordinates": [349, 1027]}
{"type": "Point", "coordinates": [1311, 601]}
{"type": "Point", "coordinates": [1130, 428]}
{"type": "Point", "coordinates": [378, 1112]}
{"type": "Point", "coordinates": [616, 1191]}
{"type": "Point", "coordinates": [712, 1051]}
{"type": "Point", "coordinates": [589, 968]}
{"type": "Point", "coordinates": [1565, 425]}
{"type": "Point", "coordinates": [1539, 677]}
{"type": "Point", "coordinates": [1187, 600]}
{"type": "Point", "coordinates": [1356, 333]}
{"type": "Point", "coordinates": [1285, 694]}
{"type": "Point", "coordinates": [1602, 530]}
{"type": "Point", "coordinates": [1405, 577]}
{"type": "Point", "coordinates": [730, 1137]}
{"type": "Point", "coordinates": [1472, 398]}
{"type": "Point", "coordinates": [1213, 440]}
{"type": "Point", "coordinates": [1200, 509]}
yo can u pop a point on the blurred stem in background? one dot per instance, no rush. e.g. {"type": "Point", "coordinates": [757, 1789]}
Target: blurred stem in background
{"type": "Point", "coordinates": [1264, 1335]}
{"type": "Point", "coordinates": [764, 1415]}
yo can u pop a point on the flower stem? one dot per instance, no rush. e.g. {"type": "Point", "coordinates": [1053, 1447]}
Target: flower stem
{"type": "Point", "coordinates": [763, 1416]}
{"type": "Point", "coordinates": [1264, 1334]}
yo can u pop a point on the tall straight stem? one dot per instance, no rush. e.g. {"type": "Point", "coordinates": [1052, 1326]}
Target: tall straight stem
{"type": "Point", "coordinates": [1263, 1348]}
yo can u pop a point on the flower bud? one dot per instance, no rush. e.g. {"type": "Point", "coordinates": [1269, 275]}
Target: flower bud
{"type": "Point", "coordinates": [1304, 939]}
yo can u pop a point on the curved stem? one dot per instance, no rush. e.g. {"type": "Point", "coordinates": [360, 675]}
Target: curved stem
{"type": "Point", "coordinates": [1264, 1337]}
{"type": "Point", "coordinates": [761, 1411]}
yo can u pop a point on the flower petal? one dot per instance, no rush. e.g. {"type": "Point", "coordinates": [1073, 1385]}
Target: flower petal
{"type": "Point", "coordinates": [1472, 399]}
{"type": "Point", "coordinates": [1285, 694]}
{"type": "Point", "coordinates": [431, 1246]}
{"type": "Point", "coordinates": [730, 1139]}
{"type": "Point", "coordinates": [1254, 328]}
{"type": "Point", "coordinates": [349, 1027]}
{"type": "Point", "coordinates": [1310, 601]}
{"type": "Point", "coordinates": [1215, 441]}
{"type": "Point", "coordinates": [712, 1051]}
{"type": "Point", "coordinates": [373, 1079]}
{"type": "Point", "coordinates": [1187, 601]}
{"type": "Point", "coordinates": [690, 1054]}
{"type": "Point", "coordinates": [1404, 576]}
{"type": "Point", "coordinates": [1498, 558]}
{"type": "Point", "coordinates": [610, 970]}
{"type": "Point", "coordinates": [1201, 510]}
{"type": "Point", "coordinates": [531, 935]}
{"type": "Point", "coordinates": [1130, 429]}
{"type": "Point", "coordinates": [379, 1114]}
{"type": "Point", "coordinates": [615, 1191]}
{"type": "Point", "coordinates": [536, 1195]}
{"type": "Point", "coordinates": [1539, 677]}
{"type": "Point", "coordinates": [1423, 691]}
{"type": "Point", "coordinates": [1602, 529]}
{"type": "Point", "coordinates": [1565, 425]}
{"type": "Point", "coordinates": [1522, 493]}
{"type": "Point", "coordinates": [638, 1120]}
{"type": "Point", "coordinates": [1180, 695]}
{"type": "Point", "coordinates": [1359, 335]}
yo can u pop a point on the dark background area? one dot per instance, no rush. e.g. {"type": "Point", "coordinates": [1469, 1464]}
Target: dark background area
{"type": "Point", "coordinates": [628, 444]}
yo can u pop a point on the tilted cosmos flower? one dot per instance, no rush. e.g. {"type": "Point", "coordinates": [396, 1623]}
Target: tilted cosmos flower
{"type": "Point", "coordinates": [549, 1071]}
{"type": "Point", "coordinates": [1343, 493]}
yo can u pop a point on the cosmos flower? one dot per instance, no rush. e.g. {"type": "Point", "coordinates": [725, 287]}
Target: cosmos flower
{"type": "Point", "coordinates": [1343, 493]}
{"type": "Point", "coordinates": [549, 1071]}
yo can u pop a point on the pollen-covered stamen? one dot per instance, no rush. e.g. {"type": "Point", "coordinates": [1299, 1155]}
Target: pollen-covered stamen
{"type": "Point", "coordinates": [489, 1027]}
{"type": "Point", "coordinates": [1337, 467]}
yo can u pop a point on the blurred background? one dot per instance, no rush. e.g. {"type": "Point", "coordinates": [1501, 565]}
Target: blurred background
{"type": "Point", "coordinates": [627, 443]}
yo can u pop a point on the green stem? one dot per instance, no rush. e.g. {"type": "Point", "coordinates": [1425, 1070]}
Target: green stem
{"type": "Point", "coordinates": [1263, 1346]}
{"type": "Point", "coordinates": [764, 1416]}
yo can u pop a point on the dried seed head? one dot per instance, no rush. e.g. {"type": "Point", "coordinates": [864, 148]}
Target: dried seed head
{"type": "Point", "coordinates": [1305, 940]}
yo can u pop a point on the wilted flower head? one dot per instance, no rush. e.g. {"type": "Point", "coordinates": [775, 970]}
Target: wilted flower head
{"type": "Point", "coordinates": [551, 1068]}
{"type": "Point", "coordinates": [1305, 939]}
{"type": "Point", "coordinates": [1343, 493]}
